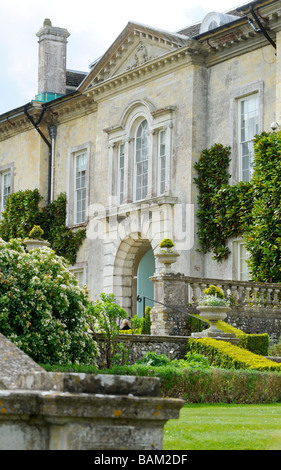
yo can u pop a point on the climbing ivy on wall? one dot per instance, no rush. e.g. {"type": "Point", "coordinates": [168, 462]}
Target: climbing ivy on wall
{"type": "Point", "coordinates": [212, 176]}
{"type": "Point", "coordinates": [22, 212]}
{"type": "Point", "coordinates": [249, 209]}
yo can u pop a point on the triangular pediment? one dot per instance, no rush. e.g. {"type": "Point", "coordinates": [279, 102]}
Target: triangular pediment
{"type": "Point", "coordinates": [136, 45]}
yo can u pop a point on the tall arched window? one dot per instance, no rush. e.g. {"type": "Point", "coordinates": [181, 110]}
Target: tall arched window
{"type": "Point", "coordinates": [141, 161]}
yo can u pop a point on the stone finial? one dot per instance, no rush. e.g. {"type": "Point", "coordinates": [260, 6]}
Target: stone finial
{"type": "Point", "coordinates": [47, 22]}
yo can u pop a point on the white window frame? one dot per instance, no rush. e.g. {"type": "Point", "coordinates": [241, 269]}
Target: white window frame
{"type": "Point", "coordinates": [121, 172]}
{"type": "Point", "coordinates": [247, 139]}
{"type": "Point", "coordinates": [72, 189]}
{"type": "Point", "coordinates": [243, 271]}
{"type": "Point", "coordinates": [5, 194]}
{"type": "Point", "coordinates": [4, 171]}
{"type": "Point", "coordinates": [241, 93]}
{"type": "Point", "coordinates": [80, 188]}
{"type": "Point", "coordinates": [162, 156]}
{"type": "Point", "coordinates": [141, 164]}
{"type": "Point", "coordinates": [124, 133]}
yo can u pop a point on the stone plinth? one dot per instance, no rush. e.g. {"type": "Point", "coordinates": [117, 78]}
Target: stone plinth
{"type": "Point", "coordinates": [55, 411]}
{"type": "Point", "coordinates": [169, 317]}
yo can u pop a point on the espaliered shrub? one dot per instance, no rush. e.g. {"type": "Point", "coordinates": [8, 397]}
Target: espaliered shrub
{"type": "Point", "coordinates": [251, 209]}
{"type": "Point", "coordinates": [225, 355]}
{"type": "Point", "coordinates": [263, 236]}
{"type": "Point", "coordinates": [212, 175]}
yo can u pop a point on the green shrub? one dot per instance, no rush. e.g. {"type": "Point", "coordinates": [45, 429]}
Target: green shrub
{"type": "Point", "coordinates": [214, 290]}
{"type": "Point", "coordinates": [42, 309]}
{"type": "Point", "coordinates": [275, 350]}
{"type": "Point", "coordinates": [225, 355]}
{"type": "Point", "coordinates": [166, 243]}
{"type": "Point", "coordinates": [146, 321]}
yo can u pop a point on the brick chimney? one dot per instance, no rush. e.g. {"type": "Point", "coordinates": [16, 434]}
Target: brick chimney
{"type": "Point", "coordinates": [52, 61]}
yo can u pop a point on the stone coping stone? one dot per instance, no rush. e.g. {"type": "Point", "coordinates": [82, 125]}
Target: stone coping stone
{"type": "Point", "coordinates": [106, 384]}
{"type": "Point", "coordinates": [65, 405]}
{"type": "Point", "coordinates": [13, 361]}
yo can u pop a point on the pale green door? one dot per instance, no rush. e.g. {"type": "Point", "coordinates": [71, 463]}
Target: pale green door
{"type": "Point", "coordinates": [145, 287]}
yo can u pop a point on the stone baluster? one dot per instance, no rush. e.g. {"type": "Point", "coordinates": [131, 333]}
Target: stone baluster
{"type": "Point", "coordinates": [248, 291]}
{"type": "Point", "coordinates": [275, 298]}
{"type": "Point", "coordinates": [255, 300]}
{"type": "Point", "coordinates": [240, 290]}
{"type": "Point", "coordinates": [262, 299]}
{"type": "Point", "coordinates": [268, 297]}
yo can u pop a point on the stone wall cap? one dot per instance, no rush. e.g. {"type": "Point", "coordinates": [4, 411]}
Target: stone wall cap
{"type": "Point", "coordinates": [105, 384]}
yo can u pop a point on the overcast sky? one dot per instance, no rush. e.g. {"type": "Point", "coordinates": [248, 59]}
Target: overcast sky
{"type": "Point", "coordinates": [93, 26]}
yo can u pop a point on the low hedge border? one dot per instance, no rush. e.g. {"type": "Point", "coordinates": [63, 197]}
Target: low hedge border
{"type": "Point", "coordinates": [225, 355]}
{"type": "Point", "coordinates": [202, 385]}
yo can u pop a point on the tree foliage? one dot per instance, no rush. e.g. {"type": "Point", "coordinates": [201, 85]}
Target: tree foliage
{"type": "Point", "coordinates": [42, 309]}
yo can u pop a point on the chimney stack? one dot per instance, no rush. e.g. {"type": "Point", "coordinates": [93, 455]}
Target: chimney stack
{"type": "Point", "coordinates": [52, 61]}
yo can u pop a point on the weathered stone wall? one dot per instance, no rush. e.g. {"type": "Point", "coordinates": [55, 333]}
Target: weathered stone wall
{"type": "Point", "coordinates": [137, 345]}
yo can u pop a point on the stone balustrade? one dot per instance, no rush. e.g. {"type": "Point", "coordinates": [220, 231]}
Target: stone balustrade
{"type": "Point", "coordinates": [242, 294]}
{"type": "Point", "coordinates": [255, 306]}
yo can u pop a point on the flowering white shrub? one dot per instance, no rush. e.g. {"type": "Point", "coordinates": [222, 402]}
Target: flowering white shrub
{"type": "Point", "coordinates": [42, 308]}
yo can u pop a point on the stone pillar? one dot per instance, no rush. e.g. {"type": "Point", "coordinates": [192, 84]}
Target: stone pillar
{"type": "Point", "coordinates": [56, 411]}
{"type": "Point", "coordinates": [169, 319]}
{"type": "Point", "coordinates": [52, 59]}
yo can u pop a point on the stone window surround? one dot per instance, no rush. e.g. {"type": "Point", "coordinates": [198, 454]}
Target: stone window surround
{"type": "Point", "coordinates": [72, 152]}
{"type": "Point", "coordinates": [4, 169]}
{"type": "Point", "coordinates": [243, 92]}
{"type": "Point", "coordinates": [124, 134]}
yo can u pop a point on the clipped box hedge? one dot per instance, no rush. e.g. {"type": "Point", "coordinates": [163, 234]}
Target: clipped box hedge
{"type": "Point", "coordinates": [256, 343]}
{"type": "Point", "coordinates": [226, 355]}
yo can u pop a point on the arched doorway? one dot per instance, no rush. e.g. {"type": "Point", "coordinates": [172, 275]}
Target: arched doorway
{"type": "Point", "coordinates": [134, 264]}
{"type": "Point", "coordinates": [146, 269]}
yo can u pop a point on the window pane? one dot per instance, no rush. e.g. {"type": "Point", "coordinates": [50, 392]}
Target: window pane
{"type": "Point", "coordinates": [121, 161]}
{"type": "Point", "coordinates": [80, 188]}
{"type": "Point", "coordinates": [6, 188]}
{"type": "Point", "coordinates": [162, 161]}
{"type": "Point", "coordinates": [248, 129]}
{"type": "Point", "coordinates": [141, 159]}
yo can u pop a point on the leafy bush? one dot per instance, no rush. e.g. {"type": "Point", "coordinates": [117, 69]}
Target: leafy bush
{"type": "Point", "coordinates": [42, 309]}
{"type": "Point", "coordinates": [214, 290]}
{"type": "Point", "coordinates": [106, 317]}
{"type": "Point", "coordinates": [166, 243]}
{"type": "Point", "coordinates": [225, 355]}
{"type": "Point", "coordinates": [159, 360]}
{"type": "Point", "coordinates": [275, 350]}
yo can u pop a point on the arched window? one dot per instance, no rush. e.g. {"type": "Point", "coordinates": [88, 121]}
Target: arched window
{"type": "Point", "coordinates": [141, 161]}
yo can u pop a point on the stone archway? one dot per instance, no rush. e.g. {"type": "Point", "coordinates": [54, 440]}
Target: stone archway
{"type": "Point", "coordinates": [128, 257]}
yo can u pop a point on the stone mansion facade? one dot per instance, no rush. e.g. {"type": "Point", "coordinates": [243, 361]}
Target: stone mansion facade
{"type": "Point", "coordinates": [122, 139]}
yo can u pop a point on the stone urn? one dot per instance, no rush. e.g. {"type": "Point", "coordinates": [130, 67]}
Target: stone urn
{"type": "Point", "coordinates": [167, 255]}
{"type": "Point", "coordinates": [31, 244]}
{"type": "Point", "coordinates": [35, 239]}
{"type": "Point", "coordinates": [212, 314]}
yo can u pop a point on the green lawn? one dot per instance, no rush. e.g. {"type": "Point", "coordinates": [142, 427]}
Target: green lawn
{"type": "Point", "coordinates": [225, 427]}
